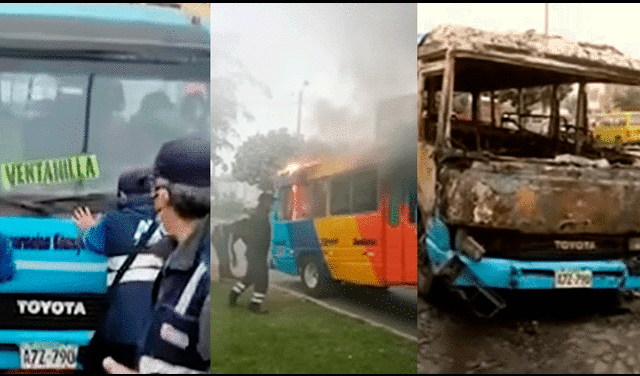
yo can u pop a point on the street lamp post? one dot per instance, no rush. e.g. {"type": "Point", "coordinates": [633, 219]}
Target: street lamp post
{"type": "Point", "coordinates": [305, 83]}
{"type": "Point", "coordinates": [546, 18]}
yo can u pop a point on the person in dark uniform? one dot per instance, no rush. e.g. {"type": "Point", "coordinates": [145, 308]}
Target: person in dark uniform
{"type": "Point", "coordinates": [176, 338]}
{"type": "Point", "coordinates": [124, 236]}
{"type": "Point", "coordinates": [255, 232]}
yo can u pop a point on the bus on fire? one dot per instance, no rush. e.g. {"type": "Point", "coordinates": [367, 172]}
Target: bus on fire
{"type": "Point", "coordinates": [346, 219]}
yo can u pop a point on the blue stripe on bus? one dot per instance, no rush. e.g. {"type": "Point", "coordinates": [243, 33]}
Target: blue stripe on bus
{"type": "Point", "coordinates": [304, 237]}
{"type": "Point", "coordinates": [100, 12]}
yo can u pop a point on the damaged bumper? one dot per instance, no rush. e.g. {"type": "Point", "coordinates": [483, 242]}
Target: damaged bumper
{"type": "Point", "coordinates": [500, 273]}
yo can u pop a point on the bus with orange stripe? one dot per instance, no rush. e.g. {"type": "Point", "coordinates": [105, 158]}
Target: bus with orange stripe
{"type": "Point", "coordinates": [346, 220]}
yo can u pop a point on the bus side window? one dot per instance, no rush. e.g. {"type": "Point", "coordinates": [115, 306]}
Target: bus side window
{"type": "Point", "coordinates": [340, 196]}
{"type": "Point", "coordinates": [365, 192]}
{"type": "Point", "coordinates": [317, 200]}
{"type": "Point", "coordinates": [283, 197]}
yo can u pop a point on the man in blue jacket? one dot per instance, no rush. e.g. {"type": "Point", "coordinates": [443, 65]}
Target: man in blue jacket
{"type": "Point", "coordinates": [132, 268]}
{"type": "Point", "coordinates": [177, 337]}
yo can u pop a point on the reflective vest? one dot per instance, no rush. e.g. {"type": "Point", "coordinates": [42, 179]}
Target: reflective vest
{"type": "Point", "coordinates": [129, 303]}
{"type": "Point", "coordinates": [176, 341]}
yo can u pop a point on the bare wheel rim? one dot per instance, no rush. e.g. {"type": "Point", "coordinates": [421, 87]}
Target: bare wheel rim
{"type": "Point", "coordinates": [311, 275]}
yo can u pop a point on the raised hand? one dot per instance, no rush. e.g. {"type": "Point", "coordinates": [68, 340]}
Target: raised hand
{"type": "Point", "coordinates": [84, 218]}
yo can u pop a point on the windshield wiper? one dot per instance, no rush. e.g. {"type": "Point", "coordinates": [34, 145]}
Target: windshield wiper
{"type": "Point", "coordinates": [98, 202]}
{"type": "Point", "coordinates": [26, 205]}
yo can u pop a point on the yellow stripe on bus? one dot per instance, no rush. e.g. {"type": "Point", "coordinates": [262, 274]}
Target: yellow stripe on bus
{"type": "Point", "coordinates": [346, 262]}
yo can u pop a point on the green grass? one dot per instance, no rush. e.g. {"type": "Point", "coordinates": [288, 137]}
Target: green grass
{"type": "Point", "coordinates": [297, 336]}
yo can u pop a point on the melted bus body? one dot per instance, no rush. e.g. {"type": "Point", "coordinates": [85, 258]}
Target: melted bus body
{"type": "Point", "coordinates": [346, 220]}
{"type": "Point", "coordinates": [513, 204]}
{"type": "Point", "coordinates": [87, 92]}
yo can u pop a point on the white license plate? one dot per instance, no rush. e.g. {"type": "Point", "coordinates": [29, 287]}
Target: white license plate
{"type": "Point", "coordinates": [573, 279]}
{"type": "Point", "coordinates": [36, 356]}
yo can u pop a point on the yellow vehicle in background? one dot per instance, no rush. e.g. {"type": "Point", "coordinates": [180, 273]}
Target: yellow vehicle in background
{"type": "Point", "coordinates": [618, 127]}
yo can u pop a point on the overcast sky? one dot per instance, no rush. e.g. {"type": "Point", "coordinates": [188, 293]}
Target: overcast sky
{"type": "Point", "coordinates": [611, 24]}
{"type": "Point", "coordinates": [353, 55]}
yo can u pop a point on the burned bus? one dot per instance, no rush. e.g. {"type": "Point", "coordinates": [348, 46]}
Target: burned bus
{"type": "Point", "coordinates": [526, 200]}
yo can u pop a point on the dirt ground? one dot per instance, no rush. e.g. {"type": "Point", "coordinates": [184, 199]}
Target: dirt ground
{"type": "Point", "coordinates": [552, 332]}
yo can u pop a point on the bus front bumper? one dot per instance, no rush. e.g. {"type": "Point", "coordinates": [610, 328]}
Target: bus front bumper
{"type": "Point", "coordinates": [500, 273]}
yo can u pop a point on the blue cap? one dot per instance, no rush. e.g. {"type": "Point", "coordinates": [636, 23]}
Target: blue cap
{"type": "Point", "coordinates": [185, 161]}
{"type": "Point", "coordinates": [135, 182]}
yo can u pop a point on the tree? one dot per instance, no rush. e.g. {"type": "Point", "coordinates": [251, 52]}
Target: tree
{"type": "Point", "coordinates": [260, 157]}
{"type": "Point", "coordinates": [627, 99]}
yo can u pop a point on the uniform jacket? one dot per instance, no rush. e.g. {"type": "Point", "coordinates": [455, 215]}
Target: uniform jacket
{"type": "Point", "coordinates": [129, 302]}
{"type": "Point", "coordinates": [255, 231]}
{"type": "Point", "coordinates": [177, 339]}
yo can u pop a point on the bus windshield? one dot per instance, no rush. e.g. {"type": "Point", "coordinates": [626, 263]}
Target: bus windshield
{"type": "Point", "coordinates": [129, 119]}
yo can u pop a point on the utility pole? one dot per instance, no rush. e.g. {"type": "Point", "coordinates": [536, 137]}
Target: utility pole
{"type": "Point", "coordinates": [546, 18]}
{"type": "Point", "coordinates": [546, 33]}
{"type": "Point", "coordinates": [305, 83]}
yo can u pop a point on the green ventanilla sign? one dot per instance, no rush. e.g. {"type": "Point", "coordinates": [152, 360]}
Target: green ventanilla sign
{"type": "Point", "coordinates": [49, 171]}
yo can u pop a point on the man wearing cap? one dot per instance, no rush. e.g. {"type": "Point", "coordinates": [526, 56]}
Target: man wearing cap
{"type": "Point", "coordinates": [176, 339]}
{"type": "Point", "coordinates": [132, 268]}
{"type": "Point", "coordinates": [256, 233]}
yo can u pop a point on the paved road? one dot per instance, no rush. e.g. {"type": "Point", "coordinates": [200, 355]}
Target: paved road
{"type": "Point", "coordinates": [396, 307]}
{"type": "Point", "coordinates": [568, 332]}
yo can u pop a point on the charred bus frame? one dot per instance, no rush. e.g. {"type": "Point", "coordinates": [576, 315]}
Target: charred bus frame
{"type": "Point", "coordinates": [553, 190]}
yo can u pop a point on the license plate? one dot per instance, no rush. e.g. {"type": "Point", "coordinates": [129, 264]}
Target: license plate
{"type": "Point", "coordinates": [573, 279]}
{"type": "Point", "coordinates": [36, 356]}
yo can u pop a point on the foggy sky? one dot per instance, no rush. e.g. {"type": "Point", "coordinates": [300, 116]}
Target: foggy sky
{"type": "Point", "coordinates": [353, 55]}
{"type": "Point", "coordinates": [602, 23]}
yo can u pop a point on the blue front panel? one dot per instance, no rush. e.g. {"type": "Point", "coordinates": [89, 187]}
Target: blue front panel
{"type": "Point", "coordinates": [281, 249]}
{"type": "Point", "coordinates": [52, 270]}
{"type": "Point", "coordinates": [49, 258]}
{"type": "Point", "coordinates": [525, 275]}
{"type": "Point", "coordinates": [102, 12]}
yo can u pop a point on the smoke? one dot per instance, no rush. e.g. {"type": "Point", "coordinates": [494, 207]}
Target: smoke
{"type": "Point", "coordinates": [336, 124]}
{"type": "Point", "coordinates": [377, 54]}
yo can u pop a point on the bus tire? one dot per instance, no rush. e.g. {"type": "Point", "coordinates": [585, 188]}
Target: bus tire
{"type": "Point", "coordinates": [313, 280]}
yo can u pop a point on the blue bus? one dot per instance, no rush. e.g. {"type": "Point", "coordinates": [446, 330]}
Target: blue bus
{"type": "Point", "coordinates": [86, 92]}
{"type": "Point", "coordinates": [518, 197]}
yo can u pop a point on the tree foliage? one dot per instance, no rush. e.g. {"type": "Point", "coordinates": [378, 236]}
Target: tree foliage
{"type": "Point", "coordinates": [627, 99]}
{"type": "Point", "coordinates": [260, 157]}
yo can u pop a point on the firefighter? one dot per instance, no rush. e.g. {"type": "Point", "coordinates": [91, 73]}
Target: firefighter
{"type": "Point", "coordinates": [176, 338]}
{"type": "Point", "coordinates": [132, 268]}
{"type": "Point", "coordinates": [255, 232]}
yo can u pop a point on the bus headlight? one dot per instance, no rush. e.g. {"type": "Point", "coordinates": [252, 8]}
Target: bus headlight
{"type": "Point", "coordinates": [469, 246]}
{"type": "Point", "coordinates": [634, 244]}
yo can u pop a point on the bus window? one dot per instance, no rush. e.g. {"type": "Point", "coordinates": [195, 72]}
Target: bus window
{"type": "Point", "coordinates": [42, 115]}
{"type": "Point", "coordinates": [141, 114]}
{"type": "Point", "coordinates": [283, 197]}
{"type": "Point", "coordinates": [299, 201]}
{"type": "Point", "coordinates": [365, 190]}
{"type": "Point", "coordinates": [340, 196]}
{"type": "Point", "coordinates": [316, 200]}
{"type": "Point", "coordinates": [354, 194]}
